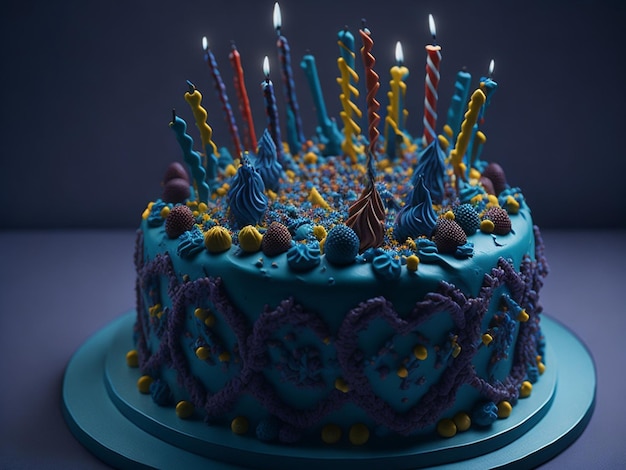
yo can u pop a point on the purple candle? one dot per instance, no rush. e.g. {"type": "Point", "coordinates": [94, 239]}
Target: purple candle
{"type": "Point", "coordinates": [271, 110]}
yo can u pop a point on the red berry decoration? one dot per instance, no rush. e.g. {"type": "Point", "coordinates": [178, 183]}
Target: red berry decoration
{"type": "Point", "coordinates": [175, 170]}
{"type": "Point", "coordinates": [179, 220]}
{"type": "Point", "coordinates": [496, 174]}
{"type": "Point", "coordinates": [448, 235]}
{"type": "Point", "coordinates": [500, 218]}
{"type": "Point", "coordinates": [487, 185]}
{"type": "Point", "coordinates": [176, 191]}
{"type": "Point", "coordinates": [276, 239]}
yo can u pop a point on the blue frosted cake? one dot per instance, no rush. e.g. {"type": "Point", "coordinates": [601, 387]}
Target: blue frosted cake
{"type": "Point", "coordinates": [300, 296]}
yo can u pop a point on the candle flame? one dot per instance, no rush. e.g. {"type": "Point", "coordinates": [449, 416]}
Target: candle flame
{"type": "Point", "coordinates": [431, 26]}
{"type": "Point", "coordinates": [266, 67]}
{"type": "Point", "coordinates": [205, 43]}
{"type": "Point", "coordinates": [399, 53]}
{"type": "Point", "coordinates": [492, 66]}
{"type": "Point", "coordinates": [278, 21]}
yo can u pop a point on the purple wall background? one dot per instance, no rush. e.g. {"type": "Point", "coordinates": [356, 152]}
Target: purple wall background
{"type": "Point", "coordinates": [87, 90]}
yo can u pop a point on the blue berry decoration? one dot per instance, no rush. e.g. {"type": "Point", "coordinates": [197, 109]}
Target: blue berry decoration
{"type": "Point", "coordinates": [341, 245]}
{"type": "Point", "coordinates": [466, 216]}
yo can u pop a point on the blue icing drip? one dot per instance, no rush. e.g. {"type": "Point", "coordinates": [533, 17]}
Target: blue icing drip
{"type": "Point", "coordinates": [248, 201]}
{"type": "Point", "coordinates": [387, 265]}
{"type": "Point", "coordinates": [417, 217]}
{"type": "Point", "coordinates": [485, 414]}
{"type": "Point", "coordinates": [464, 251]}
{"type": "Point", "coordinates": [303, 256]}
{"type": "Point", "coordinates": [267, 163]}
{"type": "Point", "coordinates": [190, 243]}
{"type": "Point", "coordinates": [154, 218]}
{"type": "Point", "coordinates": [431, 166]}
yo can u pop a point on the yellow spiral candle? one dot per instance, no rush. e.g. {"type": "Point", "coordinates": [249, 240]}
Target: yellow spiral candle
{"type": "Point", "coordinates": [350, 128]}
{"type": "Point", "coordinates": [194, 98]}
{"type": "Point", "coordinates": [462, 141]}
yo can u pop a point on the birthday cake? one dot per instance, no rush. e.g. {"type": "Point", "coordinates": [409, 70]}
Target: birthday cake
{"type": "Point", "coordinates": [346, 290]}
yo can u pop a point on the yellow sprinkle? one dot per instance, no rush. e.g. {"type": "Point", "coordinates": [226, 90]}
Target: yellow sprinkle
{"type": "Point", "coordinates": [456, 350]}
{"type": "Point", "coordinates": [493, 200]}
{"type": "Point", "coordinates": [221, 191]}
{"type": "Point", "coordinates": [487, 338]}
{"type": "Point", "coordinates": [271, 194]}
{"type": "Point", "coordinates": [184, 409]}
{"type": "Point", "coordinates": [331, 433]}
{"type": "Point", "coordinates": [420, 352]}
{"type": "Point", "coordinates": [412, 262]}
{"type": "Point", "coordinates": [448, 130]}
{"type": "Point", "coordinates": [341, 385]}
{"type": "Point", "coordinates": [402, 372]}
{"type": "Point", "coordinates": [476, 199]}
{"type": "Point", "coordinates": [411, 244]}
{"type": "Point", "coordinates": [320, 232]}
{"type": "Point", "coordinates": [522, 316]}
{"type": "Point", "coordinates": [310, 158]}
{"type": "Point", "coordinates": [200, 313]}
{"type": "Point", "coordinates": [143, 384]}
{"type": "Point", "coordinates": [203, 353]}
{"type": "Point", "coordinates": [474, 174]}
{"type": "Point", "coordinates": [541, 367]}
{"type": "Point", "coordinates": [504, 409]}
{"type": "Point", "coordinates": [239, 425]}
{"type": "Point", "coordinates": [202, 207]}
{"type": "Point", "coordinates": [145, 214]}
{"type": "Point", "coordinates": [209, 320]}
{"type": "Point", "coordinates": [526, 389]}
{"type": "Point", "coordinates": [132, 358]}
{"type": "Point", "coordinates": [446, 428]}
{"type": "Point", "coordinates": [359, 434]}
{"type": "Point", "coordinates": [511, 205]}
{"type": "Point", "coordinates": [290, 174]}
{"type": "Point", "coordinates": [462, 421]}
{"type": "Point", "coordinates": [165, 211]}
{"type": "Point", "coordinates": [230, 170]}
{"type": "Point", "coordinates": [486, 226]}
{"type": "Point", "coordinates": [449, 215]}
{"type": "Point", "coordinates": [316, 198]}
{"type": "Point", "coordinates": [224, 357]}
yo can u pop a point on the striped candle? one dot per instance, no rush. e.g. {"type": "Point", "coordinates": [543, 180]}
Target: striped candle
{"type": "Point", "coordinates": [431, 83]}
{"type": "Point", "coordinates": [249, 137]}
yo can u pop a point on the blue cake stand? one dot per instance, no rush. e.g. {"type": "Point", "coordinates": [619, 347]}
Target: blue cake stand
{"type": "Point", "coordinates": [125, 429]}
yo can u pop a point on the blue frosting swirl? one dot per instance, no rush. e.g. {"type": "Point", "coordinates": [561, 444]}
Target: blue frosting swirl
{"type": "Point", "coordinates": [431, 166]}
{"type": "Point", "coordinates": [190, 243]}
{"type": "Point", "coordinates": [467, 192]}
{"type": "Point", "coordinates": [247, 198]}
{"type": "Point", "coordinates": [426, 249]}
{"type": "Point", "coordinates": [464, 251]}
{"type": "Point", "coordinates": [267, 163]}
{"type": "Point", "coordinates": [154, 218]}
{"type": "Point", "coordinates": [387, 265]}
{"type": "Point", "coordinates": [417, 217]}
{"type": "Point", "coordinates": [303, 256]}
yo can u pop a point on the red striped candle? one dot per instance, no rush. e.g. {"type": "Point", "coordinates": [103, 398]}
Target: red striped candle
{"type": "Point", "coordinates": [249, 137]}
{"type": "Point", "coordinates": [431, 83]}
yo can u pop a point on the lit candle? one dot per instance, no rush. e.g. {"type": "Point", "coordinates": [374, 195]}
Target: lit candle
{"type": "Point", "coordinates": [462, 141]}
{"type": "Point", "coordinates": [209, 58]}
{"type": "Point", "coordinates": [372, 85]}
{"type": "Point", "coordinates": [271, 111]}
{"type": "Point", "coordinates": [457, 105]}
{"type": "Point", "coordinates": [348, 76]}
{"type": "Point", "coordinates": [192, 158]}
{"type": "Point", "coordinates": [194, 98]}
{"type": "Point", "coordinates": [249, 138]}
{"type": "Point", "coordinates": [396, 114]}
{"type": "Point", "coordinates": [330, 135]}
{"type": "Point", "coordinates": [431, 84]}
{"type": "Point", "coordinates": [295, 136]}
{"type": "Point", "coordinates": [488, 86]}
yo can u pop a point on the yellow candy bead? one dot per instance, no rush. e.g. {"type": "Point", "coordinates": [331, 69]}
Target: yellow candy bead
{"type": "Point", "coordinates": [412, 262]}
{"type": "Point", "coordinates": [493, 200]}
{"type": "Point", "coordinates": [331, 434]}
{"type": "Point", "coordinates": [165, 212]}
{"type": "Point", "coordinates": [145, 214]}
{"type": "Point", "coordinates": [203, 353]}
{"type": "Point", "coordinates": [487, 338]}
{"type": "Point", "coordinates": [462, 421]}
{"type": "Point", "coordinates": [486, 226]}
{"type": "Point", "coordinates": [250, 239]}
{"type": "Point", "coordinates": [474, 174]}
{"type": "Point", "coordinates": [420, 352]}
{"type": "Point", "coordinates": [449, 215]}
{"type": "Point", "coordinates": [132, 358]}
{"type": "Point", "coordinates": [217, 239]}
{"type": "Point", "coordinates": [209, 320]}
{"type": "Point", "coordinates": [271, 194]}
{"type": "Point", "coordinates": [526, 389]}
{"type": "Point", "coordinates": [200, 313]}
{"type": "Point", "coordinates": [359, 434]}
{"type": "Point", "coordinates": [456, 350]}
{"type": "Point", "coordinates": [310, 158]}
{"type": "Point", "coordinates": [184, 409]}
{"type": "Point", "coordinates": [504, 409]}
{"type": "Point", "coordinates": [143, 384]}
{"type": "Point", "coordinates": [239, 425]}
{"type": "Point", "coordinates": [202, 207]}
{"type": "Point", "coordinates": [402, 372]}
{"type": "Point", "coordinates": [511, 205]}
{"type": "Point", "coordinates": [541, 367]}
{"type": "Point", "coordinates": [446, 428]}
{"type": "Point", "coordinates": [224, 357]}
{"type": "Point", "coordinates": [522, 316]}
{"type": "Point", "coordinates": [230, 170]}
{"type": "Point", "coordinates": [319, 232]}
{"type": "Point", "coordinates": [341, 385]}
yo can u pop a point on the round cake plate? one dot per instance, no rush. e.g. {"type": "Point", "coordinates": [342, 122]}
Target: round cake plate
{"type": "Point", "coordinates": [103, 415]}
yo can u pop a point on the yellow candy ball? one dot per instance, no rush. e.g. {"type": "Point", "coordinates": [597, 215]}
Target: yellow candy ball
{"type": "Point", "coordinates": [331, 434]}
{"type": "Point", "coordinates": [449, 215]}
{"type": "Point", "coordinates": [184, 409]}
{"type": "Point", "coordinates": [143, 384]}
{"type": "Point", "coordinates": [224, 357]}
{"type": "Point", "coordinates": [209, 320]}
{"type": "Point", "coordinates": [486, 226]}
{"type": "Point", "coordinates": [132, 358]}
{"type": "Point", "coordinates": [217, 239]}
{"type": "Point", "coordinates": [462, 421]}
{"type": "Point", "coordinates": [487, 338]}
{"type": "Point", "coordinates": [239, 425]}
{"type": "Point", "coordinates": [250, 239]}
{"type": "Point", "coordinates": [203, 353]}
{"type": "Point", "coordinates": [446, 428]}
{"type": "Point", "coordinates": [504, 409]}
{"type": "Point", "coordinates": [341, 385]}
{"type": "Point", "coordinates": [412, 262]}
{"type": "Point", "coordinates": [165, 212]}
{"type": "Point", "coordinates": [526, 389]}
{"type": "Point", "coordinates": [359, 434]}
{"type": "Point", "coordinates": [230, 170]}
{"type": "Point", "coordinates": [402, 372]}
{"type": "Point", "coordinates": [200, 313]}
{"type": "Point", "coordinates": [420, 352]}
{"type": "Point", "coordinates": [310, 158]}
{"type": "Point", "coordinates": [319, 232]}
{"type": "Point", "coordinates": [522, 316]}
{"type": "Point", "coordinates": [541, 367]}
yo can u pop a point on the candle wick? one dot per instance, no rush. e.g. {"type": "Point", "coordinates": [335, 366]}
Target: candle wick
{"type": "Point", "coordinates": [173, 115]}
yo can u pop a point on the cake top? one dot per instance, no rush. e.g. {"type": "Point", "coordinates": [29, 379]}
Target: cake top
{"type": "Point", "coordinates": [354, 194]}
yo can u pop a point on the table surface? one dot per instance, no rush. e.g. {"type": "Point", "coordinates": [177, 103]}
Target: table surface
{"type": "Point", "coordinates": [59, 287]}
